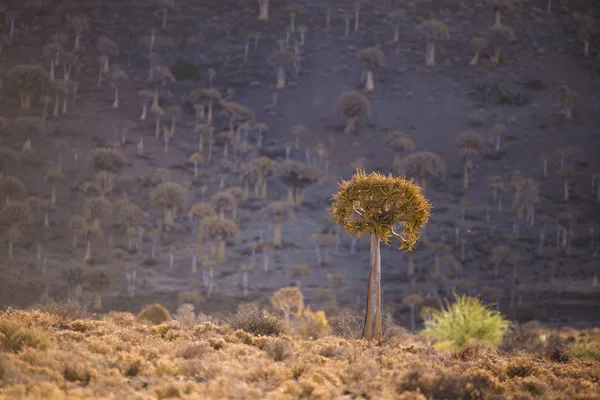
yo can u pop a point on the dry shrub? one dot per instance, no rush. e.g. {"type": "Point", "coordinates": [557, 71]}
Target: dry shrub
{"type": "Point", "coordinates": [312, 325]}
{"type": "Point", "coordinates": [77, 373]}
{"type": "Point", "coordinates": [122, 318]}
{"type": "Point", "coordinates": [473, 351]}
{"type": "Point", "coordinates": [520, 367]}
{"type": "Point", "coordinates": [168, 391]}
{"type": "Point", "coordinates": [259, 323]}
{"type": "Point", "coordinates": [15, 336]}
{"type": "Point", "coordinates": [135, 368]}
{"type": "Point", "coordinates": [473, 384]}
{"type": "Point", "coordinates": [67, 311]}
{"type": "Point", "coordinates": [185, 316]}
{"type": "Point", "coordinates": [346, 324]}
{"type": "Point", "coordinates": [155, 314]}
{"type": "Point", "coordinates": [534, 386]}
{"type": "Point", "coordinates": [193, 350]}
{"type": "Point", "coordinates": [278, 349]}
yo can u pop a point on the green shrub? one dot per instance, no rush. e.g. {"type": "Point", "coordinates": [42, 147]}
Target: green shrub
{"type": "Point", "coordinates": [465, 320]}
{"type": "Point", "coordinates": [155, 314]}
{"type": "Point", "coordinates": [15, 337]}
{"type": "Point", "coordinates": [185, 70]}
{"type": "Point", "coordinates": [587, 350]}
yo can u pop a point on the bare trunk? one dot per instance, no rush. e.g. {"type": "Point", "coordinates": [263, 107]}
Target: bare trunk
{"type": "Point", "coordinates": [263, 10]}
{"type": "Point", "coordinates": [277, 234]}
{"type": "Point", "coordinates": [475, 60]}
{"type": "Point", "coordinates": [370, 85]}
{"type": "Point", "coordinates": [116, 102]}
{"type": "Point", "coordinates": [280, 77]}
{"type": "Point", "coordinates": [430, 56]}
{"type": "Point", "coordinates": [498, 19]}
{"type": "Point", "coordinates": [351, 125]}
{"type": "Point", "coordinates": [586, 48]}
{"type": "Point", "coordinates": [88, 252]}
{"type": "Point", "coordinates": [566, 191]}
{"type": "Point", "coordinates": [374, 294]}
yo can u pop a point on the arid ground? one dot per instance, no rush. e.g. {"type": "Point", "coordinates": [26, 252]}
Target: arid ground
{"type": "Point", "coordinates": [528, 92]}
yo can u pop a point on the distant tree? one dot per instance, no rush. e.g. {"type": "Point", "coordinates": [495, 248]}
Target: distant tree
{"type": "Point", "coordinates": [568, 99]}
{"type": "Point", "coordinates": [478, 43]}
{"type": "Point", "coordinates": [218, 231]}
{"type": "Point", "coordinates": [567, 173]}
{"type": "Point", "coordinates": [422, 165]}
{"type": "Point", "coordinates": [27, 80]}
{"type": "Point", "coordinates": [353, 104]}
{"type": "Point", "coordinates": [469, 143]}
{"type": "Point", "coordinates": [498, 36]}
{"type": "Point", "coordinates": [54, 175]}
{"type": "Point", "coordinates": [498, 5]}
{"type": "Point", "coordinates": [159, 75]}
{"type": "Point", "coordinates": [223, 202]}
{"type": "Point", "coordinates": [170, 196]}
{"type": "Point", "coordinates": [373, 58]}
{"type": "Point", "coordinates": [297, 176]}
{"type": "Point", "coordinates": [378, 205]}
{"type": "Point", "coordinates": [277, 212]}
{"type": "Point", "coordinates": [96, 208]}
{"type": "Point", "coordinates": [400, 141]}
{"type": "Point", "coordinates": [289, 300]}
{"type": "Point", "coordinates": [412, 301]}
{"type": "Point", "coordinates": [245, 269]}
{"type": "Point", "coordinates": [587, 29]}
{"type": "Point", "coordinates": [107, 162]}
{"type": "Point", "coordinates": [299, 271]}
{"type": "Point", "coordinates": [117, 76]}
{"type": "Point", "coordinates": [17, 214]}
{"type": "Point", "coordinates": [281, 60]}
{"type": "Point", "coordinates": [165, 5]}
{"type": "Point", "coordinates": [263, 10]}
{"type": "Point", "coordinates": [107, 48]}
{"type": "Point", "coordinates": [433, 30]}
{"type": "Point", "coordinates": [79, 23]}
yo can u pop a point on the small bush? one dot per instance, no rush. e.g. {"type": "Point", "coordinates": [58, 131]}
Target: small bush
{"type": "Point", "coordinates": [155, 314]}
{"type": "Point", "coordinates": [464, 320]}
{"type": "Point", "coordinates": [77, 373]}
{"type": "Point", "coordinates": [278, 349]}
{"type": "Point", "coordinates": [185, 316]}
{"type": "Point", "coordinates": [67, 311]}
{"type": "Point", "coordinates": [586, 350]}
{"type": "Point", "coordinates": [520, 368]}
{"type": "Point", "coordinates": [312, 325]}
{"type": "Point", "coordinates": [259, 323]}
{"type": "Point", "coordinates": [15, 337]}
{"type": "Point", "coordinates": [346, 324]}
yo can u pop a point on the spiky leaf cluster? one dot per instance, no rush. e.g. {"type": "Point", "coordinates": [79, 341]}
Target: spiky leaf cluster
{"type": "Point", "coordinates": [203, 95]}
{"type": "Point", "coordinates": [434, 29]}
{"type": "Point", "coordinates": [11, 186]}
{"type": "Point", "coordinates": [400, 141]}
{"type": "Point", "coordinates": [298, 174]}
{"type": "Point", "coordinates": [96, 208]}
{"type": "Point", "coordinates": [223, 201]}
{"type": "Point", "coordinates": [107, 159]}
{"type": "Point", "coordinates": [16, 213]}
{"type": "Point", "coordinates": [168, 194]}
{"type": "Point", "coordinates": [28, 77]}
{"type": "Point", "coordinates": [107, 46]}
{"type": "Point", "coordinates": [216, 228]}
{"type": "Point", "coordinates": [128, 212]}
{"type": "Point", "coordinates": [380, 204]}
{"type": "Point", "coordinates": [372, 56]}
{"type": "Point", "coordinates": [353, 103]}
{"type": "Point", "coordinates": [238, 112]}
{"type": "Point", "coordinates": [202, 210]}
{"type": "Point", "coordinates": [421, 164]}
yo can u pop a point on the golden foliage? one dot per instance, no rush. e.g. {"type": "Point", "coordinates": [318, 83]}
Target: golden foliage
{"type": "Point", "coordinates": [380, 204]}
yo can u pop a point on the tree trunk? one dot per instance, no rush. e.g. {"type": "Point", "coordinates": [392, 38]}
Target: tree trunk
{"type": "Point", "coordinates": [88, 252]}
{"type": "Point", "coordinates": [280, 77]}
{"type": "Point", "coordinates": [116, 102]}
{"type": "Point", "coordinates": [475, 60]}
{"type": "Point", "coordinates": [169, 220]}
{"type": "Point", "coordinates": [586, 48]}
{"type": "Point", "coordinates": [545, 168]}
{"type": "Point", "coordinates": [263, 10]}
{"type": "Point", "coordinates": [566, 190]}
{"type": "Point", "coordinates": [430, 56]}
{"type": "Point", "coordinates": [374, 294]}
{"type": "Point", "coordinates": [97, 301]}
{"type": "Point", "coordinates": [221, 252]}
{"type": "Point", "coordinates": [351, 125]}
{"type": "Point", "coordinates": [265, 261]}
{"type": "Point", "coordinates": [466, 174]}
{"type": "Point", "coordinates": [370, 85]}
{"type": "Point", "coordinates": [25, 100]}
{"type": "Point", "coordinates": [498, 19]}
{"type": "Point", "coordinates": [277, 234]}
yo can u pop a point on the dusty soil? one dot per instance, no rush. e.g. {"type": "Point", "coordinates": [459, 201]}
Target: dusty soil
{"type": "Point", "coordinates": [432, 104]}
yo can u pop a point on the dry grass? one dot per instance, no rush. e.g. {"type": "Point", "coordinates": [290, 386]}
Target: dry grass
{"type": "Point", "coordinates": [118, 356]}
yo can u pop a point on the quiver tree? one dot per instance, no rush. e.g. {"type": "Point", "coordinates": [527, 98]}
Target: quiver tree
{"type": "Point", "coordinates": [567, 173]}
{"type": "Point", "coordinates": [373, 58]}
{"type": "Point", "coordinates": [54, 175]}
{"type": "Point", "coordinates": [422, 165]}
{"type": "Point", "coordinates": [107, 48]}
{"type": "Point", "coordinates": [205, 99]}
{"type": "Point", "coordinates": [117, 76]}
{"type": "Point", "coordinates": [80, 23]}
{"type": "Point", "coordinates": [478, 43]}
{"type": "Point", "coordinates": [498, 36]}
{"type": "Point", "coordinates": [195, 250]}
{"type": "Point", "coordinates": [496, 132]}
{"type": "Point", "coordinates": [237, 113]}
{"type": "Point", "coordinates": [52, 53]}
{"type": "Point", "coordinates": [245, 269]}
{"type": "Point", "coordinates": [130, 215]}
{"type": "Point", "coordinates": [433, 30]}
{"type": "Point", "coordinates": [196, 159]}
{"type": "Point", "coordinates": [323, 240]}
{"type": "Point", "coordinates": [281, 60]}
{"type": "Point", "coordinates": [218, 231]}
{"type": "Point", "coordinates": [263, 10]}
{"type": "Point", "coordinates": [11, 187]}
{"type": "Point", "coordinates": [170, 196]}
{"type": "Point", "coordinates": [353, 104]}
{"type": "Point", "coordinates": [98, 280]}
{"type": "Point", "coordinates": [17, 214]}
{"type": "Point", "coordinates": [159, 75]}
{"type": "Point", "coordinates": [498, 5]}
{"type": "Point", "coordinates": [223, 202]}
{"type": "Point", "coordinates": [26, 127]}
{"type": "Point", "coordinates": [412, 301]}
{"type": "Point", "coordinates": [393, 17]}
{"type": "Point", "coordinates": [379, 206]}
{"type": "Point", "coordinates": [78, 225]}
{"type": "Point", "coordinates": [499, 255]}
{"type": "Point", "coordinates": [266, 248]}
{"type": "Point", "coordinates": [107, 162]}
{"type": "Point", "coordinates": [276, 212]}
{"type": "Point", "coordinates": [289, 300]}
{"type": "Point", "coordinates": [400, 141]}
{"type": "Point", "coordinates": [469, 144]}
{"type": "Point", "coordinates": [297, 176]}
{"type": "Point", "coordinates": [27, 80]}
{"type": "Point", "coordinates": [92, 232]}
{"type": "Point", "coordinates": [298, 272]}
{"type": "Point", "coordinates": [265, 168]}
{"type": "Point", "coordinates": [95, 208]}
{"type": "Point", "coordinates": [568, 99]}
{"type": "Point", "coordinates": [587, 29]}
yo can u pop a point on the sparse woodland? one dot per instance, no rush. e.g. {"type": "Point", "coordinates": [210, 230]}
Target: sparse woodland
{"type": "Point", "coordinates": [168, 157]}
